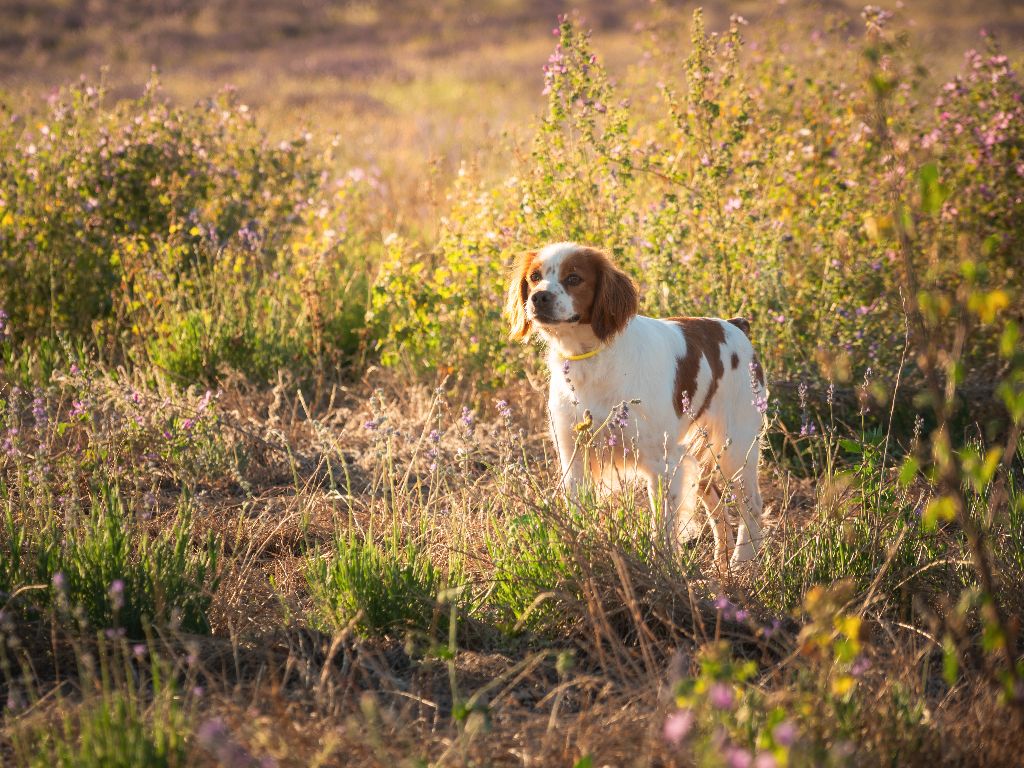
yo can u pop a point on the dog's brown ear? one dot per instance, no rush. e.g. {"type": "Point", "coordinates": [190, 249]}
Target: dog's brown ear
{"type": "Point", "coordinates": [616, 301]}
{"type": "Point", "coordinates": [518, 291]}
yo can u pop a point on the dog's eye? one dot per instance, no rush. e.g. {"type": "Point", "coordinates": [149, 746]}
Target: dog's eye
{"type": "Point", "coordinates": [535, 276]}
{"type": "Point", "coordinates": [573, 280]}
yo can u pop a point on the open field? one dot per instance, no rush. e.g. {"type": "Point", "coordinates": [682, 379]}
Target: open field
{"type": "Point", "coordinates": [276, 489]}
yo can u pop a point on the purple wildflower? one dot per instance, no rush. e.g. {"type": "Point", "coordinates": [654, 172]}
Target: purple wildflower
{"type": "Point", "coordinates": [39, 412]}
{"type": "Point", "coordinates": [60, 582]}
{"type": "Point", "coordinates": [684, 402]}
{"type": "Point", "coordinates": [139, 650]}
{"type": "Point", "coordinates": [372, 424]}
{"type": "Point", "coordinates": [860, 665]}
{"type": "Point", "coordinates": [250, 237]}
{"type": "Point", "coordinates": [725, 605]}
{"type": "Point", "coordinates": [620, 416]}
{"type": "Point", "coordinates": [204, 403]}
{"type": "Point", "coordinates": [213, 735]}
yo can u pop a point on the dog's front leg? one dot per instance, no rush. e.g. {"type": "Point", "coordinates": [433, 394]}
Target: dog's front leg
{"type": "Point", "coordinates": [672, 490]}
{"type": "Point", "coordinates": [570, 458]}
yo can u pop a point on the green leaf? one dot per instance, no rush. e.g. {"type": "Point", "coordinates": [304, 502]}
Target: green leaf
{"type": "Point", "coordinates": [1009, 339]}
{"type": "Point", "coordinates": [933, 192]}
{"type": "Point", "coordinates": [941, 508]}
{"type": "Point", "coordinates": [909, 470]}
{"type": "Point", "coordinates": [950, 661]}
{"type": "Point", "coordinates": [584, 762]}
{"type": "Point", "coordinates": [851, 446]}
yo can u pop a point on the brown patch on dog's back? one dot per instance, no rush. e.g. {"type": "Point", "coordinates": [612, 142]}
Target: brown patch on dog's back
{"type": "Point", "coordinates": [735, 361]}
{"type": "Point", "coordinates": [742, 323]}
{"type": "Point", "coordinates": [704, 339]}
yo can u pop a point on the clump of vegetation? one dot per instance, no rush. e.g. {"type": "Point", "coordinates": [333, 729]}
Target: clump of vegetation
{"type": "Point", "coordinates": [380, 588]}
{"type": "Point", "coordinates": [96, 568]}
{"type": "Point", "coordinates": [181, 237]}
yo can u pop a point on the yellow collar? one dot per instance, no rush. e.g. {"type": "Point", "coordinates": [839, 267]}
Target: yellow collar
{"type": "Point", "coordinates": [584, 356]}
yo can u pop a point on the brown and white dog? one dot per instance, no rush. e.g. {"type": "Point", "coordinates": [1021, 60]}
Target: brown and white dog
{"type": "Point", "coordinates": [682, 394]}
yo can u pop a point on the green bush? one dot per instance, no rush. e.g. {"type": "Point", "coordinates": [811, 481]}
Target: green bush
{"type": "Point", "coordinates": [546, 559]}
{"type": "Point", "coordinates": [131, 714]}
{"type": "Point", "coordinates": [100, 568]}
{"type": "Point", "coordinates": [531, 564]}
{"type": "Point", "coordinates": [742, 182]}
{"type": "Point", "coordinates": [114, 733]}
{"type": "Point", "coordinates": [184, 232]}
{"type": "Point", "coordinates": [383, 588]}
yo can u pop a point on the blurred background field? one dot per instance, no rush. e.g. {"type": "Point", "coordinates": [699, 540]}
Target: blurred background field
{"type": "Point", "coordinates": [439, 82]}
{"type": "Point", "coordinates": [275, 489]}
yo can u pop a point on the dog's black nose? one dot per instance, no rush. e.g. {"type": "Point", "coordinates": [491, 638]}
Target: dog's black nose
{"type": "Point", "coordinates": [541, 299]}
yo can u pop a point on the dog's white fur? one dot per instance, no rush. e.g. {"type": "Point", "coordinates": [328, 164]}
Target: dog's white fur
{"type": "Point", "coordinates": [690, 427]}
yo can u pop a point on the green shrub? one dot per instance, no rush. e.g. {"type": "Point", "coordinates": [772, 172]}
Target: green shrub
{"type": "Point", "coordinates": [749, 182]}
{"type": "Point", "coordinates": [100, 568]}
{"type": "Point", "coordinates": [114, 733]}
{"type": "Point", "coordinates": [383, 588]}
{"type": "Point", "coordinates": [131, 714]}
{"type": "Point", "coordinates": [865, 521]}
{"type": "Point", "coordinates": [531, 563]}
{"type": "Point", "coordinates": [546, 559]}
{"type": "Point", "coordinates": [181, 231]}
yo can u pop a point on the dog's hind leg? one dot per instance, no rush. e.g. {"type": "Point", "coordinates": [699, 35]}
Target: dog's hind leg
{"type": "Point", "coordinates": [739, 463]}
{"type": "Point", "coordinates": [673, 493]}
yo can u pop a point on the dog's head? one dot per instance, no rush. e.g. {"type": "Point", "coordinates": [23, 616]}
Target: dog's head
{"type": "Point", "coordinates": [566, 285]}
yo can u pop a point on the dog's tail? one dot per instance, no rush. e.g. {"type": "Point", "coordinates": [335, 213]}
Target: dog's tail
{"type": "Point", "coordinates": [742, 323]}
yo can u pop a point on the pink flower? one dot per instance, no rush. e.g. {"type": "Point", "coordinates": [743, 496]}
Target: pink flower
{"type": "Point", "coordinates": [784, 733]}
{"type": "Point", "coordinates": [721, 696]}
{"type": "Point", "coordinates": [678, 726]}
{"type": "Point", "coordinates": [737, 757]}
